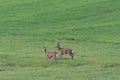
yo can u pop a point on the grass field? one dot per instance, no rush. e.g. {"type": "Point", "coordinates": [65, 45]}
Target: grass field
{"type": "Point", "coordinates": [90, 27]}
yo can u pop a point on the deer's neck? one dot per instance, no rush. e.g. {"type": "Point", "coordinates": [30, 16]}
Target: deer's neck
{"type": "Point", "coordinates": [59, 48]}
{"type": "Point", "coordinates": [45, 51]}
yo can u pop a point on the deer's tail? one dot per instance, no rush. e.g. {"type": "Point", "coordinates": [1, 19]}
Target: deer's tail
{"type": "Point", "coordinates": [72, 52]}
{"type": "Point", "coordinates": [56, 53]}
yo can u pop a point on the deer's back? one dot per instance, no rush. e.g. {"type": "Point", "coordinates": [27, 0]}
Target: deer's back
{"type": "Point", "coordinates": [66, 50]}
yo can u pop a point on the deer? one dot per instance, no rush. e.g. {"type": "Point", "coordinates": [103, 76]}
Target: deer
{"type": "Point", "coordinates": [49, 55]}
{"type": "Point", "coordinates": [64, 51]}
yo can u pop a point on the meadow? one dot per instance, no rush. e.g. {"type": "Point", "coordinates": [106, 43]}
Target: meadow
{"type": "Point", "coordinates": [90, 27]}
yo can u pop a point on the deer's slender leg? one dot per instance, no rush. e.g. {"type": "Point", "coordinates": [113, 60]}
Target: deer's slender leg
{"type": "Point", "coordinates": [61, 55]}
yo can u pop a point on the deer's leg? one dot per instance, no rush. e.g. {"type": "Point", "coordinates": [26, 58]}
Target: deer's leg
{"type": "Point", "coordinates": [55, 58]}
{"type": "Point", "coordinates": [48, 58]}
{"type": "Point", "coordinates": [61, 55]}
{"type": "Point", "coordinates": [71, 56]}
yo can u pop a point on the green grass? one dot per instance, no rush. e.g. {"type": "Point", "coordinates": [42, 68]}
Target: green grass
{"type": "Point", "coordinates": [89, 27]}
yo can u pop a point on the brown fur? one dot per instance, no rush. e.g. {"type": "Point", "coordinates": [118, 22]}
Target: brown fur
{"type": "Point", "coordinates": [64, 51]}
{"type": "Point", "coordinates": [50, 54]}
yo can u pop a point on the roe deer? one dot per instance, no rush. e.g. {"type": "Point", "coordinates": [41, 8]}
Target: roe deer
{"type": "Point", "coordinates": [49, 54]}
{"type": "Point", "coordinates": [64, 51]}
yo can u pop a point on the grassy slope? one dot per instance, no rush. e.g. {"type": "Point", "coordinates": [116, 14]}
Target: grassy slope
{"type": "Point", "coordinates": [90, 27]}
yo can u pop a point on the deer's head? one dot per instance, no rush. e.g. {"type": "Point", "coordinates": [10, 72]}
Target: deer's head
{"type": "Point", "coordinates": [57, 45]}
{"type": "Point", "coordinates": [44, 48]}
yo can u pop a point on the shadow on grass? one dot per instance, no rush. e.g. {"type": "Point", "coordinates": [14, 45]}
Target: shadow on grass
{"type": "Point", "coordinates": [111, 65]}
{"type": "Point", "coordinates": [1, 70]}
